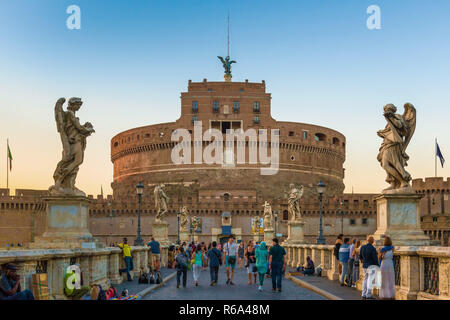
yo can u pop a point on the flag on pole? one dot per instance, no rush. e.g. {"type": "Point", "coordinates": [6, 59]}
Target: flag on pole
{"type": "Point", "coordinates": [439, 155]}
{"type": "Point", "coordinates": [10, 158]}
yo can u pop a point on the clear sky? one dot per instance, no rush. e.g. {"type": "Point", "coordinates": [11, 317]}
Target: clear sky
{"type": "Point", "coordinates": [131, 59]}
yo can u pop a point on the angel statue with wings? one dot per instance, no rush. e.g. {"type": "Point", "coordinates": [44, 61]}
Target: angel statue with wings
{"type": "Point", "coordinates": [184, 219]}
{"type": "Point", "coordinates": [267, 215]}
{"type": "Point", "coordinates": [226, 64]}
{"type": "Point", "coordinates": [396, 137]}
{"type": "Point", "coordinates": [294, 202]}
{"type": "Point", "coordinates": [73, 137]}
{"type": "Point", "coordinates": [161, 200]}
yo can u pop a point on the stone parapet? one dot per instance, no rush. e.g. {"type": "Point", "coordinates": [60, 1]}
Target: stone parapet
{"type": "Point", "coordinates": [421, 272]}
{"type": "Point", "coordinates": [98, 266]}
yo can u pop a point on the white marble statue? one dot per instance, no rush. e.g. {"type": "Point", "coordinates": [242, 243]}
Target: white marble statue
{"type": "Point", "coordinates": [294, 202]}
{"type": "Point", "coordinates": [161, 200]}
{"type": "Point", "coordinates": [267, 215]}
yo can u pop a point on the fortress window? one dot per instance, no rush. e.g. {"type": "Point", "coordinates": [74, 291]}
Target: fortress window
{"type": "Point", "coordinates": [320, 137]}
{"type": "Point", "coordinates": [194, 119]}
{"type": "Point", "coordinates": [147, 135]}
{"type": "Point", "coordinates": [116, 144]}
{"type": "Point", "coordinates": [421, 219]}
{"type": "Point", "coordinates": [285, 215]}
{"type": "Point", "coordinates": [256, 120]}
{"type": "Point", "coordinates": [352, 222]}
{"type": "Point", "coordinates": [292, 158]}
{"type": "Point", "coordinates": [291, 133]}
{"type": "Point", "coordinates": [364, 221]}
{"type": "Point", "coordinates": [194, 106]}
{"type": "Point", "coordinates": [305, 134]}
{"type": "Point", "coordinates": [216, 106]}
{"type": "Point", "coordinates": [336, 141]}
{"type": "Point", "coordinates": [256, 106]}
{"type": "Point", "coordinates": [236, 106]}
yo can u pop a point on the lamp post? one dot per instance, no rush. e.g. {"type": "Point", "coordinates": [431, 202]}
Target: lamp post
{"type": "Point", "coordinates": [139, 190]}
{"type": "Point", "coordinates": [342, 218]}
{"type": "Point", "coordinates": [275, 215]}
{"type": "Point", "coordinates": [320, 190]}
{"type": "Point", "coordinates": [178, 228]}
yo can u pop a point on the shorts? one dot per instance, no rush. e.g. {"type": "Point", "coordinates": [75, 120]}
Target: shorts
{"type": "Point", "coordinates": [250, 268]}
{"type": "Point", "coordinates": [230, 265]}
{"type": "Point", "coordinates": [155, 257]}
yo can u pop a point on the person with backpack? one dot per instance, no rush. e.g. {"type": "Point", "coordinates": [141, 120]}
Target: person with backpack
{"type": "Point", "coordinates": [181, 261]}
{"type": "Point", "coordinates": [344, 257]}
{"type": "Point", "coordinates": [337, 246]}
{"type": "Point", "coordinates": [214, 261]}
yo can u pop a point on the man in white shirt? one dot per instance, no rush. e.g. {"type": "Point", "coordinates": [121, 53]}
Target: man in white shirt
{"type": "Point", "coordinates": [230, 250]}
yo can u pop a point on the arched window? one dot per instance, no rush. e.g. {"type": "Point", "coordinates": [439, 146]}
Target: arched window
{"type": "Point", "coordinates": [335, 141]}
{"type": "Point", "coordinates": [320, 137]}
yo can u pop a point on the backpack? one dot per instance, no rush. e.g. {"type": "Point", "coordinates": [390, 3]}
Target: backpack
{"type": "Point", "coordinates": [101, 293]}
{"type": "Point", "coordinates": [143, 278]}
{"type": "Point", "coordinates": [182, 259]}
{"type": "Point", "coordinates": [152, 279]}
{"type": "Point", "coordinates": [337, 246]}
{"type": "Point", "coordinates": [111, 293]}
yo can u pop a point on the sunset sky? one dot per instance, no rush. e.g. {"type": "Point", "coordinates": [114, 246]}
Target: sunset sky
{"type": "Point", "coordinates": [131, 59]}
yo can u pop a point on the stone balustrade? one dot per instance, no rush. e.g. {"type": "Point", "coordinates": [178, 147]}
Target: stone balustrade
{"type": "Point", "coordinates": [421, 273]}
{"type": "Point", "coordinates": [98, 266]}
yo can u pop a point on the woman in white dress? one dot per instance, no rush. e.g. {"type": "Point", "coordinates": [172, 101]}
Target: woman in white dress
{"type": "Point", "coordinates": [386, 255]}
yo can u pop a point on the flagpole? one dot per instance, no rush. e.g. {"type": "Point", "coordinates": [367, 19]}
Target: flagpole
{"type": "Point", "coordinates": [7, 157]}
{"type": "Point", "coordinates": [435, 158]}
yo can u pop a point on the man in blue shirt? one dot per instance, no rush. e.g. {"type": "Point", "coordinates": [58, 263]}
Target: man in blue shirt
{"type": "Point", "coordinates": [10, 286]}
{"type": "Point", "coordinates": [214, 261]}
{"type": "Point", "coordinates": [369, 257]}
{"type": "Point", "coordinates": [344, 256]}
{"type": "Point", "coordinates": [155, 254]}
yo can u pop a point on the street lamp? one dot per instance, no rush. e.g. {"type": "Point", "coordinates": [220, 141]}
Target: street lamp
{"type": "Point", "coordinates": [275, 215]}
{"type": "Point", "coordinates": [178, 227]}
{"type": "Point", "coordinates": [320, 190]}
{"type": "Point", "coordinates": [342, 218]}
{"type": "Point", "coordinates": [139, 190]}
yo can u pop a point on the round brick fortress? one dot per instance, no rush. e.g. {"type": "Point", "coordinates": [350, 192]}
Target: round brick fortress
{"type": "Point", "coordinates": [307, 153]}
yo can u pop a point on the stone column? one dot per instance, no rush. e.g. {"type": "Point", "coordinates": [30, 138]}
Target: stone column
{"type": "Point", "coordinates": [398, 217]}
{"type": "Point", "coordinates": [333, 274]}
{"type": "Point", "coordinates": [268, 235]}
{"type": "Point", "coordinates": [136, 260]}
{"type": "Point", "coordinates": [113, 267]}
{"type": "Point", "coordinates": [316, 254]}
{"type": "Point", "coordinates": [325, 261]}
{"type": "Point", "coordinates": [67, 225]}
{"type": "Point", "coordinates": [295, 232]}
{"type": "Point", "coordinates": [56, 269]}
{"type": "Point", "coordinates": [160, 232]}
{"type": "Point", "coordinates": [410, 273]}
{"type": "Point", "coordinates": [300, 255]}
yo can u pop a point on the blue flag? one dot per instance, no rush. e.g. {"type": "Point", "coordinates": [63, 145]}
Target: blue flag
{"type": "Point", "coordinates": [439, 154]}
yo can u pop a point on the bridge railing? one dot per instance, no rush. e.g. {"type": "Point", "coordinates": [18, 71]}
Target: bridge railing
{"type": "Point", "coordinates": [420, 272]}
{"type": "Point", "coordinates": [98, 266]}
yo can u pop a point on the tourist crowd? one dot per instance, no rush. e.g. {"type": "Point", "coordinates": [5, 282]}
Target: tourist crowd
{"type": "Point", "coordinates": [349, 253]}
{"type": "Point", "coordinates": [259, 260]}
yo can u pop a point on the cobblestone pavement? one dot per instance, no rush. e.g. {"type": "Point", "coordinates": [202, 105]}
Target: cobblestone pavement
{"type": "Point", "coordinates": [240, 291]}
{"type": "Point", "coordinates": [134, 287]}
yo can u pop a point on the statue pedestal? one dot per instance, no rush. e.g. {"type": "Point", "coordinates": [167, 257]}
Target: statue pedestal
{"type": "Point", "coordinates": [295, 232]}
{"type": "Point", "coordinates": [269, 234]}
{"type": "Point", "coordinates": [227, 77]}
{"type": "Point", "coordinates": [67, 225]}
{"type": "Point", "coordinates": [398, 217]}
{"type": "Point", "coordinates": [184, 236]}
{"type": "Point", "coordinates": [161, 232]}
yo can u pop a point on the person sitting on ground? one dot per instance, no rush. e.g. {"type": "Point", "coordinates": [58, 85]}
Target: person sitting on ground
{"type": "Point", "coordinates": [309, 269]}
{"type": "Point", "coordinates": [10, 286]}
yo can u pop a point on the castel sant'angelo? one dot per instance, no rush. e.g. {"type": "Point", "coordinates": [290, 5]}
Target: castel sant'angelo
{"type": "Point", "coordinates": [231, 192]}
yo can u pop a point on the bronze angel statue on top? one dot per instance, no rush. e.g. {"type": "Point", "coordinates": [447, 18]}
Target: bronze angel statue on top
{"type": "Point", "coordinates": [396, 137]}
{"type": "Point", "coordinates": [226, 64]}
{"type": "Point", "coordinates": [73, 137]}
